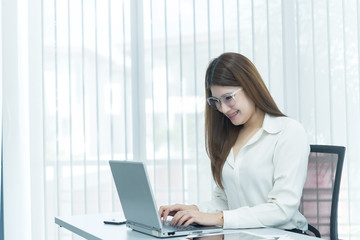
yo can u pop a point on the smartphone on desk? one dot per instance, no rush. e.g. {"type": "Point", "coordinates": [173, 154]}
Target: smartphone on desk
{"type": "Point", "coordinates": [115, 221]}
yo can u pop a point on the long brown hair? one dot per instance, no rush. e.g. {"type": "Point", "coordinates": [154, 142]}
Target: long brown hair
{"type": "Point", "coordinates": [231, 69]}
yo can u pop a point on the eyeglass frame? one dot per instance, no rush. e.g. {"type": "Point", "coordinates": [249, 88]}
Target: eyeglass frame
{"type": "Point", "coordinates": [220, 100]}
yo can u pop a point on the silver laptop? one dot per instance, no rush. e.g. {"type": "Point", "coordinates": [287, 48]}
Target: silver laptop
{"type": "Point", "coordinates": [138, 203]}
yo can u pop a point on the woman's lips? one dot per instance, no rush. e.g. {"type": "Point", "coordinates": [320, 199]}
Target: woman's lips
{"type": "Point", "coordinates": [232, 115]}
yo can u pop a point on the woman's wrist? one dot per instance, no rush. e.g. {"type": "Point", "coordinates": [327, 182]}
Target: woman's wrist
{"type": "Point", "coordinates": [220, 219]}
{"type": "Point", "coordinates": [194, 207]}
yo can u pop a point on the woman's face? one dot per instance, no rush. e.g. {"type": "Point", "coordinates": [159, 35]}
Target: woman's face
{"type": "Point", "coordinates": [243, 109]}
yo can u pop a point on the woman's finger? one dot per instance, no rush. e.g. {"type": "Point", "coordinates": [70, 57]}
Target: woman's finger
{"type": "Point", "coordinates": [185, 220]}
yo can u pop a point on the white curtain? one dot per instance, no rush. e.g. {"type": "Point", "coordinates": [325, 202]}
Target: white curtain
{"type": "Point", "coordinates": [85, 81]}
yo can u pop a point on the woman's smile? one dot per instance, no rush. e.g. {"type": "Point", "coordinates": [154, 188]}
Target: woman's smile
{"type": "Point", "coordinates": [233, 115]}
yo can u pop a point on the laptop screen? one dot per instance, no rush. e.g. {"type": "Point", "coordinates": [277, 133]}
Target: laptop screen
{"type": "Point", "coordinates": [135, 193]}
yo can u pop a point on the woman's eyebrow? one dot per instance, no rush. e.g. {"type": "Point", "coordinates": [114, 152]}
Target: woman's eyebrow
{"type": "Point", "coordinates": [229, 93]}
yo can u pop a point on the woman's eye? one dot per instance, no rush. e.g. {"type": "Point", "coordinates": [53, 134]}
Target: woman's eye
{"type": "Point", "coordinates": [228, 98]}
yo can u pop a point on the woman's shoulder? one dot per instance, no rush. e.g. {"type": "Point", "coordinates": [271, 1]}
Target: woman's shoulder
{"type": "Point", "coordinates": [290, 132]}
{"type": "Point", "coordinates": [276, 124]}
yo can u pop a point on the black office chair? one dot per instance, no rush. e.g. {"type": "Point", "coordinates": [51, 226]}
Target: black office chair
{"type": "Point", "coordinates": [319, 202]}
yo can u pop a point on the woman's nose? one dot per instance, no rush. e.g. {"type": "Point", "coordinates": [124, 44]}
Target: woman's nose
{"type": "Point", "coordinates": [224, 108]}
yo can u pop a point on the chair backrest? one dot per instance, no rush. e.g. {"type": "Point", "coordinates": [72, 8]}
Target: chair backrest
{"type": "Point", "coordinates": [319, 202]}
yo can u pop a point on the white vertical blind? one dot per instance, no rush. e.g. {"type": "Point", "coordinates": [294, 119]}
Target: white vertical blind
{"type": "Point", "coordinates": [15, 95]}
{"type": "Point", "coordinates": [124, 80]}
{"type": "Point", "coordinates": [36, 125]}
{"type": "Point", "coordinates": [87, 105]}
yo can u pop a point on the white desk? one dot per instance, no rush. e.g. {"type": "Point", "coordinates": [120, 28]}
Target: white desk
{"type": "Point", "coordinates": [92, 227]}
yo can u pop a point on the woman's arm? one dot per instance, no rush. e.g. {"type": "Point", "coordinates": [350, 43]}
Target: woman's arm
{"type": "Point", "coordinates": [207, 213]}
{"type": "Point", "coordinates": [217, 203]}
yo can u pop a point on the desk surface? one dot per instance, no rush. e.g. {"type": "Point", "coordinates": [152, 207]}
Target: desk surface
{"type": "Point", "coordinates": [92, 227]}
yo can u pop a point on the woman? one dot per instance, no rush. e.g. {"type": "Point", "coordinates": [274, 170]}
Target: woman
{"type": "Point", "coordinates": [258, 155]}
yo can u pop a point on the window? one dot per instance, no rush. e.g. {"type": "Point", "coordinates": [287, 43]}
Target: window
{"type": "Point", "coordinates": [124, 80]}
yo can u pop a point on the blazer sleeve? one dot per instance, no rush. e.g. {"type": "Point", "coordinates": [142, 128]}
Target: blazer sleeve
{"type": "Point", "coordinates": [218, 202]}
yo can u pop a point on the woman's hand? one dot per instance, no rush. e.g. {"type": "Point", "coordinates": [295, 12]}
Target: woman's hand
{"type": "Point", "coordinates": [184, 215]}
{"type": "Point", "coordinates": [171, 210]}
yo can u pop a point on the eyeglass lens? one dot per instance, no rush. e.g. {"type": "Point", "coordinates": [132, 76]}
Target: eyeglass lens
{"type": "Point", "coordinates": [228, 100]}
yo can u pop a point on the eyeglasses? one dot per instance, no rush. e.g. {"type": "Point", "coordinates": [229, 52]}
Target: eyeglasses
{"type": "Point", "coordinates": [228, 99]}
